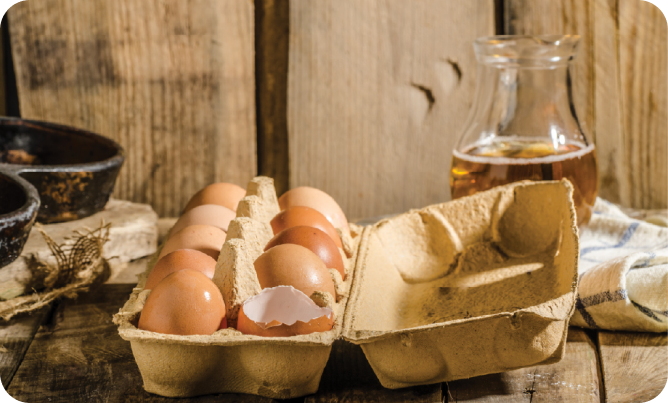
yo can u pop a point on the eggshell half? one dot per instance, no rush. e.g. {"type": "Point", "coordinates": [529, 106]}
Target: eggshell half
{"type": "Point", "coordinates": [207, 214]}
{"type": "Point", "coordinates": [180, 259]}
{"type": "Point", "coordinates": [283, 312]}
{"type": "Point", "coordinates": [185, 303]}
{"type": "Point", "coordinates": [222, 194]}
{"type": "Point", "coordinates": [314, 240]}
{"type": "Point", "coordinates": [294, 265]}
{"type": "Point", "coordinates": [204, 238]}
{"type": "Point", "coordinates": [317, 199]}
{"type": "Point", "coordinates": [301, 215]}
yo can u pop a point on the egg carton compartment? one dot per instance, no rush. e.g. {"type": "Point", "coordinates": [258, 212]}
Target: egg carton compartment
{"type": "Point", "coordinates": [480, 285]}
{"type": "Point", "coordinates": [229, 361]}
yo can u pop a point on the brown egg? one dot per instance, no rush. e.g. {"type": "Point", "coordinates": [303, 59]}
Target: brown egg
{"type": "Point", "coordinates": [206, 214]}
{"type": "Point", "coordinates": [316, 199]}
{"type": "Point", "coordinates": [180, 259]}
{"type": "Point", "coordinates": [314, 240]}
{"type": "Point", "coordinates": [204, 238]}
{"type": "Point", "coordinates": [294, 265]}
{"type": "Point", "coordinates": [222, 194]}
{"type": "Point", "coordinates": [283, 312]}
{"type": "Point", "coordinates": [184, 303]}
{"type": "Point", "coordinates": [301, 215]}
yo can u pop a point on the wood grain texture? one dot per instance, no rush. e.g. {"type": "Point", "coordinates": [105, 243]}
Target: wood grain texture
{"type": "Point", "coordinates": [348, 378]}
{"type": "Point", "coordinates": [549, 17]}
{"type": "Point", "coordinates": [643, 64]}
{"type": "Point", "coordinates": [608, 103]}
{"type": "Point", "coordinates": [79, 357]}
{"type": "Point", "coordinates": [635, 365]}
{"type": "Point", "coordinates": [15, 337]}
{"type": "Point", "coordinates": [377, 95]}
{"type": "Point", "coordinates": [172, 81]}
{"type": "Point", "coordinates": [621, 79]}
{"type": "Point", "coordinates": [574, 379]}
{"type": "Point", "coordinates": [272, 19]}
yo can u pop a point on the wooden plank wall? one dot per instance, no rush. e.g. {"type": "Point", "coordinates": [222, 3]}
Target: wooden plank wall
{"type": "Point", "coordinates": [622, 87]}
{"type": "Point", "coordinates": [364, 100]}
{"type": "Point", "coordinates": [172, 81]}
{"type": "Point", "coordinates": [377, 92]}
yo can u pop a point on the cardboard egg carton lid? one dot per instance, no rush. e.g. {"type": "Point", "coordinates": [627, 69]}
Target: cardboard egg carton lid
{"type": "Point", "coordinates": [483, 284]}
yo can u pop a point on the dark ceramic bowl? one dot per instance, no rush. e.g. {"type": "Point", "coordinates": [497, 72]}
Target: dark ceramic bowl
{"type": "Point", "coordinates": [19, 203]}
{"type": "Point", "coordinates": [73, 170]}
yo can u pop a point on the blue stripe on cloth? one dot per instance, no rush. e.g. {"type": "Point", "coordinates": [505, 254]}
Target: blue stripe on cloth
{"type": "Point", "coordinates": [645, 263]}
{"type": "Point", "coordinates": [605, 296]}
{"type": "Point", "coordinates": [585, 315]}
{"type": "Point", "coordinates": [626, 237]}
{"type": "Point", "coordinates": [648, 312]}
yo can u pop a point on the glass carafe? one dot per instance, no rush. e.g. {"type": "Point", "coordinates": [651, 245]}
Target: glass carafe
{"type": "Point", "coordinates": [523, 123]}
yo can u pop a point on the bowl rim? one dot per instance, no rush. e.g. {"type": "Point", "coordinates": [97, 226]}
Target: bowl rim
{"type": "Point", "coordinates": [32, 197]}
{"type": "Point", "coordinates": [115, 160]}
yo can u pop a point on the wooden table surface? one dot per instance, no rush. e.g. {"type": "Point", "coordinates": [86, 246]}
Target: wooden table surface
{"type": "Point", "coordinates": [71, 352]}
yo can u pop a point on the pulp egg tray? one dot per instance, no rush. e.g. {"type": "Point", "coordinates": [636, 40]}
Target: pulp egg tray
{"type": "Point", "coordinates": [479, 285]}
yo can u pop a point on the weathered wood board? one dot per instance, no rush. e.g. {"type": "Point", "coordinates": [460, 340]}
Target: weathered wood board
{"type": "Point", "coordinates": [643, 68]}
{"type": "Point", "coordinates": [635, 365]}
{"type": "Point", "coordinates": [348, 377]}
{"type": "Point", "coordinates": [272, 19]}
{"type": "Point", "coordinates": [574, 379]}
{"type": "Point", "coordinates": [133, 235]}
{"type": "Point", "coordinates": [621, 79]}
{"type": "Point", "coordinates": [15, 337]}
{"type": "Point", "coordinates": [377, 95]}
{"type": "Point", "coordinates": [171, 81]}
{"type": "Point", "coordinates": [79, 357]}
{"type": "Point", "coordinates": [607, 102]}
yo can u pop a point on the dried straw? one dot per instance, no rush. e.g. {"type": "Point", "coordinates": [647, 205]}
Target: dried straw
{"type": "Point", "coordinates": [79, 265]}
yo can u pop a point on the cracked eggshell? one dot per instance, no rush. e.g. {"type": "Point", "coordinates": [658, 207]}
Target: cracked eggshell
{"type": "Point", "coordinates": [316, 199]}
{"type": "Point", "coordinates": [294, 265]}
{"type": "Point", "coordinates": [222, 194]}
{"type": "Point", "coordinates": [204, 238]}
{"type": "Point", "coordinates": [207, 214]}
{"type": "Point", "coordinates": [305, 216]}
{"type": "Point", "coordinates": [283, 311]}
{"type": "Point", "coordinates": [314, 240]}
{"type": "Point", "coordinates": [184, 303]}
{"type": "Point", "coordinates": [180, 259]}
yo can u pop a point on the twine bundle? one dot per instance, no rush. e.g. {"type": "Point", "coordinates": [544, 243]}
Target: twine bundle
{"type": "Point", "coordinates": [79, 265]}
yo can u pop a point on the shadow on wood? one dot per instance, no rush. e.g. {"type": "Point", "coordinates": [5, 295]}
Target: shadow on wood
{"type": "Point", "coordinates": [348, 377]}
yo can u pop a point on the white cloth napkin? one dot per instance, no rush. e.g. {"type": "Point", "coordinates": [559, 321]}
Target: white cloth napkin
{"type": "Point", "coordinates": [623, 273]}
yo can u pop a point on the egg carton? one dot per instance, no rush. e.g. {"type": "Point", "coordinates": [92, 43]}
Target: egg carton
{"type": "Point", "coordinates": [480, 285]}
{"type": "Point", "coordinates": [229, 361]}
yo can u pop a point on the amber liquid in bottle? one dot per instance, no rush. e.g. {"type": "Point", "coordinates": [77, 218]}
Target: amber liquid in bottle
{"type": "Point", "coordinates": [483, 167]}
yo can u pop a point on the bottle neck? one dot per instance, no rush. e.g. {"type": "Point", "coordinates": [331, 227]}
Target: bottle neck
{"type": "Point", "coordinates": [523, 102]}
